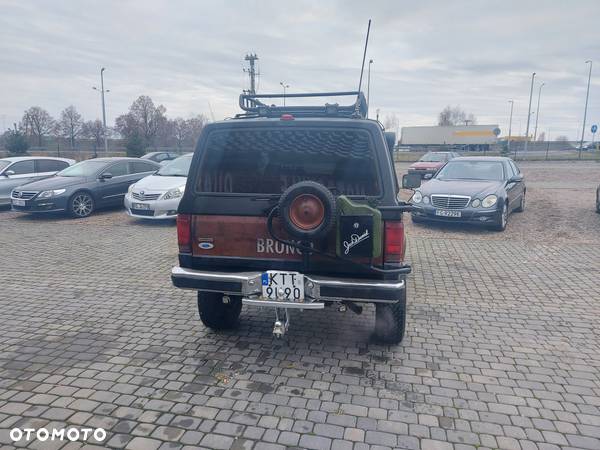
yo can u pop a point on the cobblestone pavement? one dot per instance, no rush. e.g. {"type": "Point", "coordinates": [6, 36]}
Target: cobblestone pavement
{"type": "Point", "coordinates": [502, 347]}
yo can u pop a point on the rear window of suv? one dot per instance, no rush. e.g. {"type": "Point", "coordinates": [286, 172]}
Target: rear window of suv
{"type": "Point", "coordinates": [268, 161]}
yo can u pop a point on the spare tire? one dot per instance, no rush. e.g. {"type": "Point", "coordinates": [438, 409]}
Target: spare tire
{"type": "Point", "coordinates": [307, 210]}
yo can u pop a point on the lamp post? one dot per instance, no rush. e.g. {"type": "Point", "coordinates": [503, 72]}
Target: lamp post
{"type": "Point", "coordinates": [369, 87]}
{"type": "Point", "coordinates": [537, 113]}
{"type": "Point", "coordinates": [529, 113]}
{"type": "Point", "coordinates": [585, 110]}
{"type": "Point", "coordinates": [512, 104]}
{"type": "Point", "coordinates": [284, 86]}
{"type": "Point", "coordinates": [102, 91]}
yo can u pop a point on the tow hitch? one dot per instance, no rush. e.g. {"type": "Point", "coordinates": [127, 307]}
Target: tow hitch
{"type": "Point", "coordinates": [280, 327]}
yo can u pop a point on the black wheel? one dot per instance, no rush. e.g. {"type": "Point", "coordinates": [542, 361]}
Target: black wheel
{"type": "Point", "coordinates": [390, 321]}
{"type": "Point", "coordinates": [416, 219]}
{"type": "Point", "coordinates": [307, 210]}
{"type": "Point", "coordinates": [81, 204]}
{"type": "Point", "coordinates": [216, 314]}
{"type": "Point", "coordinates": [502, 219]}
{"type": "Point", "coordinates": [521, 206]}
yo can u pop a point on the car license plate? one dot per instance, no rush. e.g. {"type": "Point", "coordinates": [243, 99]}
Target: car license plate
{"type": "Point", "coordinates": [446, 213]}
{"type": "Point", "coordinates": [283, 286]}
{"type": "Point", "coordinates": [18, 202]}
{"type": "Point", "coordinates": [140, 206]}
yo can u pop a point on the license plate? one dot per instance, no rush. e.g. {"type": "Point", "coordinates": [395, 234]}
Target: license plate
{"type": "Point", "coordinates": [140, 206]}
{"type": "Point", "coordinates": [18, 202]}
{"type": "Point", "coordinates": [283, 286]}
{"type": "Point", "coordinates": [446, 213]}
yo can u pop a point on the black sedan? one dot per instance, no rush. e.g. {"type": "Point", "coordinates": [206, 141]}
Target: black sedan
{"type": "Point", "coordinates": [481, 190]}
{"type": "Point", "coordinates": [83, 187]}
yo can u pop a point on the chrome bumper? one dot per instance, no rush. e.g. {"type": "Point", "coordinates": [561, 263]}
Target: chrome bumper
{"type": "Point", "coordinates": [316, 288]}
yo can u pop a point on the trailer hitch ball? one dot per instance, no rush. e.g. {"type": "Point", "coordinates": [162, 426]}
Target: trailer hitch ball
{"type": "Point", "coordinates": [226, 299]}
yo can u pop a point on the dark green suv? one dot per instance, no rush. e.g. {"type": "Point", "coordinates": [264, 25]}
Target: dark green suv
{"type": "Point", "coordinates": [294, 207]}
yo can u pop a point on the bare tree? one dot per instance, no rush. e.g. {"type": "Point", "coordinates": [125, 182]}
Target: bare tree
{"type": "Point", "coordinates": [196, 124]}
{"type": "Point", "coordinates": [37, 122]}
{"type": "Point", "coordinates": [143, 118]}
{"type": "Point", "coordinates": [452, 116]}
{"type": "Point", "coordinates": [93, 129]}
{"type": "Point", "coordinates": [391, 123]}
{"type": "Point", "coordinates": [562, 138]}
{"type": "Point", "coordinates": [70, 124]}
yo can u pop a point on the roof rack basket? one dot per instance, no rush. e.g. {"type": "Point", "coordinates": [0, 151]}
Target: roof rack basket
{"type": "Point", "coordinates": [254, 107]}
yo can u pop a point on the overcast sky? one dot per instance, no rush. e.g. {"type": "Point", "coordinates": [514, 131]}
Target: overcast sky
{"type": "Point", "coordinates": [189, 54]}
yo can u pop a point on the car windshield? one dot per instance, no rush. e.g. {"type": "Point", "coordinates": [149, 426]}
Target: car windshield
{"type": "Point", "coordinates": [472, 170]}
{"type": "Point", "coordinates": [83, 169]}
{"type": "Point", "coordinates": [177, 168]}
{"type": "Point", "coordinates": [434, 157]}
{"type": "Point", "coordinates": [268, 161]}
{"type": "Point", "coordinates": [3, 163]}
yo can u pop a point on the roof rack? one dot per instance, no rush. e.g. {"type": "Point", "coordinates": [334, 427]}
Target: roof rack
{"type": "Point", "coordinates": [254, 107]}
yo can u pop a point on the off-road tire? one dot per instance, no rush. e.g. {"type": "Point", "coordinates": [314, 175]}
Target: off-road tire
{"type": "Point", "coordinates": [77, 202]}
{"type": "Point", "coordinates": [218, 315]}
{"type": "Point", "coordinates": [390, 321]}
{"type": "Point", "coordinates": [501, 219]}
{"type": "Point", "coordinates": [521, 206]}
{"type": "Point", "coordinates": [319, 191]}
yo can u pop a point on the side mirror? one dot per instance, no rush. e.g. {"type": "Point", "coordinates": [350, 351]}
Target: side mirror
{"type": "Point", "coordinates": [428, 176]}
{"type": "Point", "coordinates": [515, 179]}
{"type": "Point", "coordinates": [411, 180]}
{"type": "Point", "coordinates": [8, 173]}
{"type": "Point", "coordinates": [106, 176]}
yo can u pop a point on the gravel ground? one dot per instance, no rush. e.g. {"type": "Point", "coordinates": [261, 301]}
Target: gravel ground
{"type": "Point", "coordinates": [560, 207]}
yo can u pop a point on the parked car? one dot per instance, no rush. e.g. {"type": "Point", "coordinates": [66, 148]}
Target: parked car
{"type": "Point", "coordinates": [482, 190]}
{"type": "Point", "coordinates": [83, 187]}
{"type": "Point", "coordinates": [157, 196]}
{"type": "Point", "coordinates": [19, 170]}
{"type": "Point", "coordinates": [431, 162]}
{"type": "Point", "coordinates": [294, 207]}
{"type": "Point", "coordinates": [160, 157]}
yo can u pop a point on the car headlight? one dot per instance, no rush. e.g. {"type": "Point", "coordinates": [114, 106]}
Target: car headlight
{"type": "Point", "coordinates": [426, 200]}
{"type": "Point", "coordinates": [489, 201]}
{"type": "Point", "coordinates": [476, 203]}
{"type": "Point", "coordinates": [417, 197]}
{"type": "Point", "coordinates": [48, 194]}
{"type": "Point", "coordinates": [130, 189]}
{"type": "Point", "coordinates": [174, 193]}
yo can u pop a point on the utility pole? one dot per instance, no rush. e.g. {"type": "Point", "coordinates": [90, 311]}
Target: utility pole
{"type": "Point", "coordinates": [102, 91]}
{"type": "Point", "coordinates": [369, 87]}
{"type": "Point", "coordinates": [284, 86]}
{"type": "Point", "coordinates": [585, 110]}
{"type": "Point", "coordinates": [251, 58]}
{"type": "Point", "coordinates": [512, 103]}
{"type": "Point", "coordinates": [529, 113]}
{"type": "Point", "coordinates": [537, 113]}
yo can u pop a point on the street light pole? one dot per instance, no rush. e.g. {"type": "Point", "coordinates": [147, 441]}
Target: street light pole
{"type": "Point", "coordinates": [537, 113]}
{"type": "Point", "coordinates": [285, 86]}
{"type": "Point", "coordinates": [102, 91]}
{"type": "Point", "coordinates": [369, 87]}
{"type": "Point", "coordinates": [529, 113]}
{"type": "Point", "coordinates": [585, 110]}
{"type": "Point", "coordinates": [512, 103]}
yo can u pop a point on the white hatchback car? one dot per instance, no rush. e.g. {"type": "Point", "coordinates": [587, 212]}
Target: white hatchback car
{"type": "Point", "coordinates": [157, 196]}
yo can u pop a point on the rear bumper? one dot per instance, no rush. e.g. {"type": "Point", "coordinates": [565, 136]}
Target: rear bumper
{"type": "Point", "coordinates": [316, 288]}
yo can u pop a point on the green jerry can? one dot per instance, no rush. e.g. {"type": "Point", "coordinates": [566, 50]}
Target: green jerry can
{"type": "Point", "coordinates": [359, 230]}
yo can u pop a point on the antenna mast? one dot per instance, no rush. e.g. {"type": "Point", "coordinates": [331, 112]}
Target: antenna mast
{"type": "Point", "coordinates": [251, 58]}
{"type": "Point", "coordinates": [362, 69]}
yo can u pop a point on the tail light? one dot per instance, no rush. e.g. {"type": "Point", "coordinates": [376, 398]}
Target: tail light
{"type": "Point", "coordinates": [184, 233]}
{"type": "Point", "coordinates": [393, 242]}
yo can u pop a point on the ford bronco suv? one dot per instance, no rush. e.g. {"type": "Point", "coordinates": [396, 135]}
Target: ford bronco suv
{"type": "Point", "coordinates": [294, 207]}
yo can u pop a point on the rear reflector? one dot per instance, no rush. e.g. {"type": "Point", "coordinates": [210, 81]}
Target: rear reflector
{"type": "Point", "coordinates": [184, 233]}
{"type": "Point", "coordinates": [286, 117]}
{"type": "Point", "coordinates": [394, 242]}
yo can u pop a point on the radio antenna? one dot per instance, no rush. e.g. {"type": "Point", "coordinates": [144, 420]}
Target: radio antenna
{"type": "Point", "coordinates": [362, 69]}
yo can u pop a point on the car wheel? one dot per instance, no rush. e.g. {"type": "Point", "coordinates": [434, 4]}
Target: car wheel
{"type": "Point", "coordinates": [215, 313]}
{"type": "Point", "coordinates": [521, 206]}
{"type": "Point", "coordinates": [81, 204]}
{"type": "Point", "coordinates": [390, 321]}
{"type": "Point", "coordinates": [502, 219]}
{"type": "Point", "coordinates": [416, 219]}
